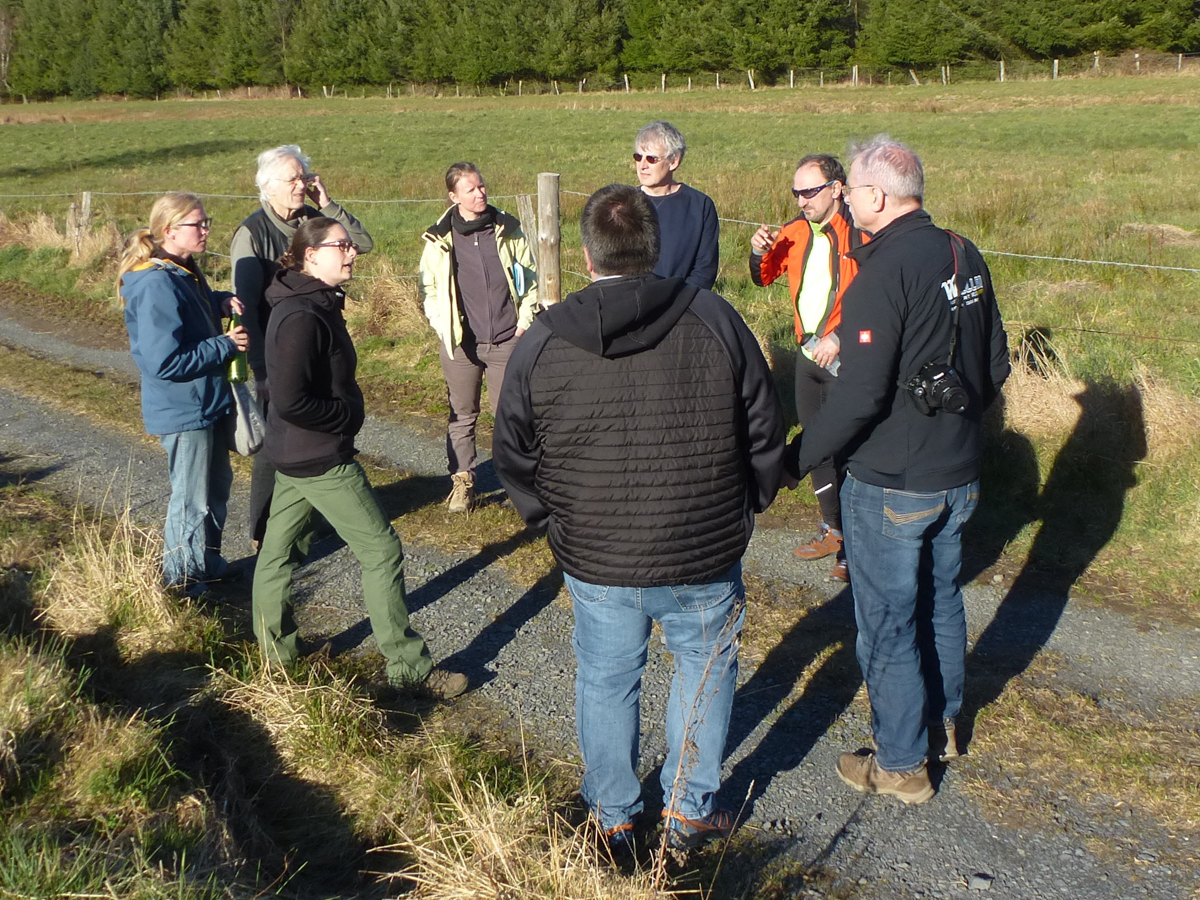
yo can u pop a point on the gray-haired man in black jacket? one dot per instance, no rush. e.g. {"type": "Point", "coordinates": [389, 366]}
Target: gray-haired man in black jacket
{"type": "Point", "coordinates": [923, 354]}
{"type": "Point", "coordinates": [639, 423]}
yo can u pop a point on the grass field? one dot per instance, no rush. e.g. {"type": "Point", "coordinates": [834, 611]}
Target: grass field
{"type": "Point", "coordinates": [1085, 169]}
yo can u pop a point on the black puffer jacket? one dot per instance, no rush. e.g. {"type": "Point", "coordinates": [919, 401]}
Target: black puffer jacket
{"type": "Point", "coordinates": [639, 421]}
{"type": "Point", "coordinates": [316, 406]}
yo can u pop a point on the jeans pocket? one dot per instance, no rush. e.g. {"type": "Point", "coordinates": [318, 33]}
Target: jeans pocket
{"type": "Point", "coordinates": [695, 597]}
{"type": "Point", "coordinates": [907, 514]}
{"type": "Point", "coordinates": [586, 593]}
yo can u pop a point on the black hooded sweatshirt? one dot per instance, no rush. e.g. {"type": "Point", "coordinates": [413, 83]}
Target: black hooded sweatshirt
{"type": "Point", "coordinates": [639, 422]}
{"type": "Point", "coordinates": [316, 406]}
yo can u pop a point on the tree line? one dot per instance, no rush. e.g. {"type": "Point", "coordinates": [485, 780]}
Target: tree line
{"type": "Point", "coordinates": [141, 48]}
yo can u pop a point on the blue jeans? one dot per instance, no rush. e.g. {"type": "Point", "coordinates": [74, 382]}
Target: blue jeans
{"type": "Point", "coordinates": [201, 476]}
{"type": "Point", "coordinates": [905, 553]}
{"type": "Point", "coordinates": [702, 624]}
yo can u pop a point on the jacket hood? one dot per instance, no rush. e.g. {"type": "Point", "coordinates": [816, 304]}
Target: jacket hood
{"type": "Point", "coordinates": [620, 316]}
{"type": "Point", "coordinates": [290, 283]}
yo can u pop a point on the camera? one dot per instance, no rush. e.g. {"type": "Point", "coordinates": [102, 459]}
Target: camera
{"type": "Point", "coordinates": [938, 386]}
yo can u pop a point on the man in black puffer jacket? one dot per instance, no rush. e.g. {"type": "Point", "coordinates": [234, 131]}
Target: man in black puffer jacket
{"type": "Point", "coordinates": [639, 422]}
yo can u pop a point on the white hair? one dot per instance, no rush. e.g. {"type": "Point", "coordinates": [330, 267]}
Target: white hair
{"type": "Point", "coordinates": [662, 134]}
{"type": "Point", "coordinates": [891, 166]}
{"type": "Point", "coordinates": [271, 161]}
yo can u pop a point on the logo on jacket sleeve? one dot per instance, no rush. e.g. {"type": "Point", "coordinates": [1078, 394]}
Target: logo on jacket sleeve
{"type": "Point", "coordinates": [864, 336]}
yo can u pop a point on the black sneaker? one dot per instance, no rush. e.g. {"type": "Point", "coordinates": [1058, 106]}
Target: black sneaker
{"type": "Point", "coordinates": [622, 842]}
{"type": "Point", "coordinates": [683, 833]}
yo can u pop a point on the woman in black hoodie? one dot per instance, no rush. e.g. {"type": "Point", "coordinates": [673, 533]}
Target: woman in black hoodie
{"type": "Point", "coordinates": [316, 410]}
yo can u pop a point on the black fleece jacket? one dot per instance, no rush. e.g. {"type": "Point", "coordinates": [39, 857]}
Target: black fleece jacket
{"type": "Point", "coordinates": [316, 406]}
{"type": "Point", "coordinates": [897, 316]}
{"type": "Point", "coordinates": [638, 421]}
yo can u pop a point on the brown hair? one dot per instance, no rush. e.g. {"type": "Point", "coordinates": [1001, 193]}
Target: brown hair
{"type": "Point", "coordinates": [459, 170]}
{"type": "Point", "coordinates": [308, 236]}
{"type": "Point", "coordinates": [168, 210]}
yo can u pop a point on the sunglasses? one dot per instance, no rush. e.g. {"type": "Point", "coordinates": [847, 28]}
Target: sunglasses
{"type": "Point", "coordinates": [344, 246]}
{"type": "Point", "coordinates": [810, 192]}
{"type": "Point", "coordinates": [638, 157]}
{"type": "Point", "coordinates": [202, 225]}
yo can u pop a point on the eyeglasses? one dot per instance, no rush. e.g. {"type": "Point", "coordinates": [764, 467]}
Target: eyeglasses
{"type": "Point", "coordinates": [202, 225]}
{"type": "Point", "coordinates": [299, 179]}
{"type": "Point", "coordinates": [809, 192]}
{"type": "Point", "coordinates": [638, 157]}
{"type": "Point", "coordinates": [344, 246]}
{"type": "Point", "coordinates": [854, 187]}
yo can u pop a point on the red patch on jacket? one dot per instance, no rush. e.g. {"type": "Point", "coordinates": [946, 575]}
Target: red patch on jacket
{"type": "Point", "coordinates": [864, 337]}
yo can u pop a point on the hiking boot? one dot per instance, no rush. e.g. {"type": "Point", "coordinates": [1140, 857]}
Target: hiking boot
{"type": "Point", "coordinates": [827, 543]}
{"type": "Point", "coordinates": [462, 492]}
{"type": "Point", "coordinates": [841, 571]}
{"type": "Point", "coordinates": [943, 740]}
{"type": "Point", "coordinates": [442, 684]}
{"type": "Point", "coordinates": [682, 833]}
{"type": "Point", "coordinates": [862, 772]}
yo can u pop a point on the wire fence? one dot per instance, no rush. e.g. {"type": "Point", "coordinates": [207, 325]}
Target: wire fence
{"type": "Point", "coordinates": [744, 222]}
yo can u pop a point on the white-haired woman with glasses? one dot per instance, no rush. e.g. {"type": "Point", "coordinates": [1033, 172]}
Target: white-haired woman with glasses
{"type": "Point", "coordinates": [687, 219]}
{"type": "Point", "coordinates": [290, 193]}
{"type": "Point", "coordinates": [176, 338]}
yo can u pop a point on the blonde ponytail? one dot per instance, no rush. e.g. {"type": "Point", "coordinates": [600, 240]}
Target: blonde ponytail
{"type": "Point", "coordinates": [168, 210]}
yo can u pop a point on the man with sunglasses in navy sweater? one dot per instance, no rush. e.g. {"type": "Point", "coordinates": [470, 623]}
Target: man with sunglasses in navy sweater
{"type": "Point", "coordinates": [687, 218]}
{"type": "Point", "coordinates": [812, 249]}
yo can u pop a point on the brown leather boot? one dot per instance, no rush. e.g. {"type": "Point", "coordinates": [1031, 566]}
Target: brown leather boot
{"type": "Point", "coordinates": [827, 543]}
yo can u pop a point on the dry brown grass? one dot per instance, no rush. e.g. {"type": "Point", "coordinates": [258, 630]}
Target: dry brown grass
{"type": "Point", "coordinates": [36, 698]}
{"type": "Point", "coordinates": [328, 734]}
{"type": "Point", "coordinates": [389, 305]}
{"type": "Point", "coordinates": [1163, 235]}
{"type": "Point", "coordinates": [1048, 741]}
{"type": "Point", "coordinates": [108, 578]}
{"type": "Point", "coordinates": [479, 846]}
{"type": "Point", "coordinates": [41, 231]}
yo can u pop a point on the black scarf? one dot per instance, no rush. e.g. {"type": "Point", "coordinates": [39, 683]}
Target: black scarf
{"type": "Point", "coordinates": [460, 225]}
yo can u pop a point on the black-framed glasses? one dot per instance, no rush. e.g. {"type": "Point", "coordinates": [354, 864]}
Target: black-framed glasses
{"type": "Point", "coordinates": [202, 225]}
{"type": "Point", "coordinates": [810, 192]}
{"type": "Point", "coordinates": [344, 246]}
{"type": "Point", "coordinates": [648, 157]}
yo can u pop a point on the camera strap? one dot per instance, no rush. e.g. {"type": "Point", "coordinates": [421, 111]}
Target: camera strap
{"type": "Point", "coordinates": [956, 300]}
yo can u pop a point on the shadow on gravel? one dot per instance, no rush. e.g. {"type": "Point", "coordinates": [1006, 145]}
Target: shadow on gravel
{"type": "Point", "coordinates": [826, 631]}
{"type": "Point", "coordinates": [1080, 508]}
{"type": "Point", "coordinates": [131, 158]}
{"type": "Point", "coordinates": [473, 659]}
{"type": "Point", "coordinates": [11, 471]}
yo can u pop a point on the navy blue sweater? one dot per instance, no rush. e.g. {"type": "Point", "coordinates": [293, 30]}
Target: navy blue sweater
{"type": "Point", "coordinates": [690, 233]}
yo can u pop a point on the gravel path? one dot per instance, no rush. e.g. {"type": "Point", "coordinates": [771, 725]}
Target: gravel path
{"type": "Point", "coordinates": [515, 643]}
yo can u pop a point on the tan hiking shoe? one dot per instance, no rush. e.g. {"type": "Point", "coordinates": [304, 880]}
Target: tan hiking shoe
{"type": "Point", "coordinates": [943, 740]}
{"type": "Point", "coordinates": [862, 772]}
{"type": "Point", "coordinates": [462, 493]}
{"type": "Point", "coordinates": [827, 543]}
{"type": "Point", "coordinates": [442, 684]}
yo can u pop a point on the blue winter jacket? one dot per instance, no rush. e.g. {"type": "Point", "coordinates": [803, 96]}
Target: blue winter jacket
{"type": "Point", "coordinates": [174, 324]}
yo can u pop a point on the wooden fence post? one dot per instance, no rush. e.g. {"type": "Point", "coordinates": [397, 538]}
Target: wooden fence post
{"type": "Point", "coordinates": [1002, 71]}
{"type": "Point", "coordinates": [549, 240]}
{"type": "Point", "coordinates": [528, 217]}
{"type": "Point", "coordinates": [1054, 77]}
{"type": "Point", "coordinates": [626, 83]}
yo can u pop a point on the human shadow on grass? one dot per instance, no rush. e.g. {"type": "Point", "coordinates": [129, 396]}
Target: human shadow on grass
{"type": "Point", "coordinates": [128, 159]}
{"type": "Point", "coordinates": [1080, 508]}
{"type": "Point", "coordinates": [827, 630]}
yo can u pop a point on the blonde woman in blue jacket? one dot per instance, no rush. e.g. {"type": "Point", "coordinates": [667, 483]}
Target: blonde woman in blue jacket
{"type": "Point", "coordinates": [176, 337]}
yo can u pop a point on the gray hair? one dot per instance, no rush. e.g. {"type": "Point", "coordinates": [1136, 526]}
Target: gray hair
{"type": "Point", "coordinates": [891, 166]}
{"type": "Point", "coordinates": [270, 162]}
{"type": "Point", "coordinates": [662, 134]}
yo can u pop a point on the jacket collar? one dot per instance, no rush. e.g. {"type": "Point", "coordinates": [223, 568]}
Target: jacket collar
{"type": "Point", "coordinates": [907, 223]}
{"type": "Point", "coordinates": [440, 230]}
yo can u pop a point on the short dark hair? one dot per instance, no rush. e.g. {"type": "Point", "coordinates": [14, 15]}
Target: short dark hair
{"type": "Point", "coordinates": [831, 169]}
{"type": "Point", "coordinates": [619, 229]}
{"type": "Point", "coordinates": [457, 171]}
{"type": "Point", "coordinates": [310, 234]}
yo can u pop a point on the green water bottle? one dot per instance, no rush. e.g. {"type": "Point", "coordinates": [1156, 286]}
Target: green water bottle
{"type": "Point", "coordinates": [239, 369]}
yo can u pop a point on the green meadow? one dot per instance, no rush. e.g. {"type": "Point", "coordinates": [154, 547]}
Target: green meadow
{"type": "Point", "coordinates": [1086, 169]}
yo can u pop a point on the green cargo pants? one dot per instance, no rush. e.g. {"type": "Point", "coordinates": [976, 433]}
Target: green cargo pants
{"type": "Point", "coordinates": [344, 497]}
